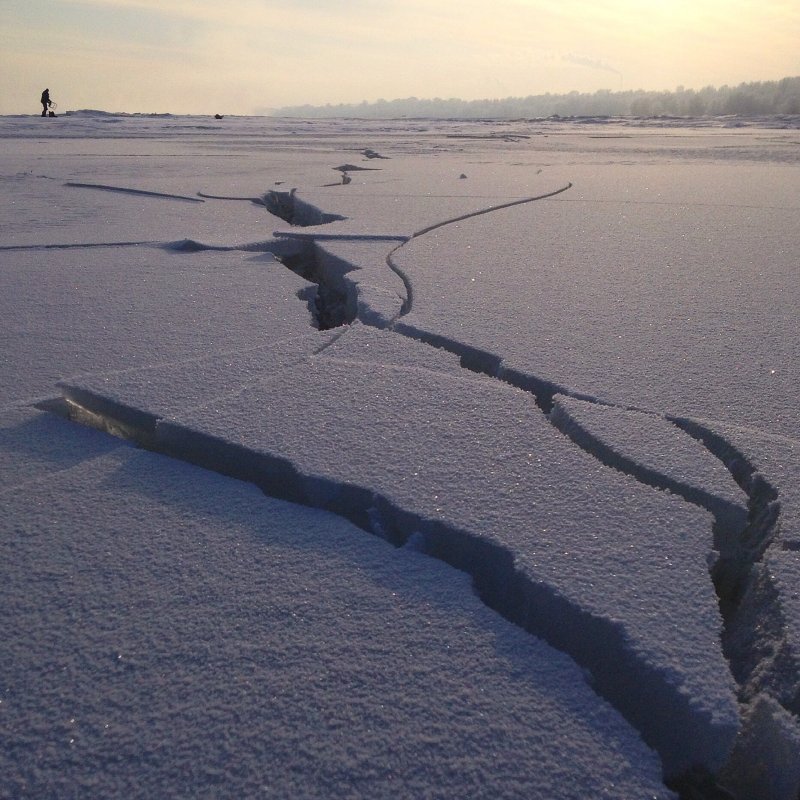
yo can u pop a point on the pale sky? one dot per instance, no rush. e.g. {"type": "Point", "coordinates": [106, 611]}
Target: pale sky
{"type": "Point", "coordinates": [245, 56]}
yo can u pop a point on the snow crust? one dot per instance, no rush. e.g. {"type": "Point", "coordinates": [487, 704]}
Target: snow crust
{"type": "Point", "coordinates": [656, 452]}
{"type": "Point", "coordinates": [450, 458]}
{"type": "Point", "coordinates": [648, 269]}
{"type": "Point", "coordinates": [633, 294]}
{"type": "Point", "coordinates": [79, 310]}
{"type": "Point", "coordinates": [203, 638]}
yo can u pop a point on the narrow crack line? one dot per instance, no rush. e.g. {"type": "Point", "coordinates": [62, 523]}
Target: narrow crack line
{"type": "Point", "coordinates": [142, 192]}
{"type": "Point", "coordinates": [409, 299]}
{"type": "Point", "coordinates": [679, 203]}
{"type": "Point", "coordinates": [286, 206]}
{"type": "Point", "coordinates": [740, 467]}
{"type": "Point", "coordinates": [491, 209]}
{"type": "Point", "coordinates": [77, 246]}
{"type": "Point", "coordinates": [257, 200]}
{"type": "Point", "coordinates": [486, 363]}
{"type": "Point", "coordinates": [392, 263]}
{"type": "Point", "coordinates": [182, 245]}
{"type": "Point", "coordinates": [334, 338]}
{"type": "Point", "coordinates": [324, 236]}
{"type": "Point", "coordinates": [728, 518]}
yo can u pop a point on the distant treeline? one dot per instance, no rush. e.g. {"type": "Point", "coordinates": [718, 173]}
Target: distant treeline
{"type": "Point", "coordinates": [746, 99]}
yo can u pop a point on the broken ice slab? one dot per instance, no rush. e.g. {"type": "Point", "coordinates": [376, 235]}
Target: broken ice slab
{"type": "Point", "coordinates": [658, 453]}
{"type": "Point", "coordinates": [610, 571]}
{"type": "Point", "coordinates": [164, 623]}
{"type": "Point", "coordinates": [79, 311]}
{"type": "Point", "coordinates": [137, 398]}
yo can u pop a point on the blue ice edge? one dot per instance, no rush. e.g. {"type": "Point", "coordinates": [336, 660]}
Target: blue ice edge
{"type": "Point", "coordinates": [684, 735]}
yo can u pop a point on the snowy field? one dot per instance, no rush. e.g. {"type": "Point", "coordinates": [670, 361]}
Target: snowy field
{"type": "Point", "coordinates": [405, 459]}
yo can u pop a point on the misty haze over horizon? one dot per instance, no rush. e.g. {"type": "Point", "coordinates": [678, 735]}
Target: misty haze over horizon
{"type": "Point", "coordinates": [746, 99]}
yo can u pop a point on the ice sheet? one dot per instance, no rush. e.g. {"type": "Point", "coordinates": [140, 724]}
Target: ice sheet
{"type": "Point", "coordinates": [676, 238]}
{"type": "Point", "coordinates": [168, 631]}
{"type": "Point", "coordinates": [100, 309]}
{"type": "Point", "coordinates": [473, 465]}
{"type": "Point", "coordinates": [633, 295]}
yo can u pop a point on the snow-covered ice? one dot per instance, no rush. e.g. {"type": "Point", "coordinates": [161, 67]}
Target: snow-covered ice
{"type": "Point", "coordinates": [98, 309]}
{"type": "Point", "coordinates": [489, 288]}
{"type": "Point", "coordinates": [658, 453]}
{"type": "Point", "coordinates": [203, 639]}
{"type": "Point", "coordinates": [634, 292]}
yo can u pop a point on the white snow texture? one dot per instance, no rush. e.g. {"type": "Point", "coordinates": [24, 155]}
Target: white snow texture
{"type": "Point", "coordinates": [467, 471]}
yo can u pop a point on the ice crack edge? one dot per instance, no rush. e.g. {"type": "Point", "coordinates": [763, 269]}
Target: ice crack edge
{"type": "Point", "coordinates": [663, 713]}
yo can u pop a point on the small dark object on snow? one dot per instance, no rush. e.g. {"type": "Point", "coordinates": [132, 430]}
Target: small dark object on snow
{"type": "Point", "coordinates": [217, 116]}
{"type": "Point", "coordinates": [372, 154]}
{"type": "Point", "coordinates": [462, 176]}
{"type": "Point", "coordinates": [356, 168]}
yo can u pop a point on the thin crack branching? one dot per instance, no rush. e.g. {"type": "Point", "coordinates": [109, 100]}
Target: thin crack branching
{"type": "Point", "coordinates": [392, 262]}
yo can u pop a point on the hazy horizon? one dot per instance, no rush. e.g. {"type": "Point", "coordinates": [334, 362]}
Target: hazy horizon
{"type": "Point", "coordinates": [248, 56]}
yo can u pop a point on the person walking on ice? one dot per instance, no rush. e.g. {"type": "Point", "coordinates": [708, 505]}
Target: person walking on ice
{"type": "Point", "coordinates": [46, 102]}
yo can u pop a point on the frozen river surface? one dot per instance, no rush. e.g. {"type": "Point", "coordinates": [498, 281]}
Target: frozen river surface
{"type": "Point", "coordinates": [449, 459]}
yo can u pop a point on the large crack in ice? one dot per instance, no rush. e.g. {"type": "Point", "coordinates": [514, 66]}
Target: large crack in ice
{"type": "Point", "coordinates": [664, 716]}
{"type": "Point", "coordinates": [748, 601]}
{"type": "Point", "coordinates": [752, 611]}
{"type": "Point", "coordinates": [634, 688]}
{"type": "Point", "coordinates": [290, 208]}
{"type": "Point", "coordinates": [750, 629]}
{"type": "Point", "coordinates": [746, 640]}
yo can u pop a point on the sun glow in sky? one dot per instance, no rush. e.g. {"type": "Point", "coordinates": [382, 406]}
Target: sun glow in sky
{"type": "Point", "coordinates": [246, 56]}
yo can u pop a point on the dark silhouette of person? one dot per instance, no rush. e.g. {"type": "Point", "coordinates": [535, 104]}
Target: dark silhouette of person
{"type": "Point", "coordinates": [46, 102]}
